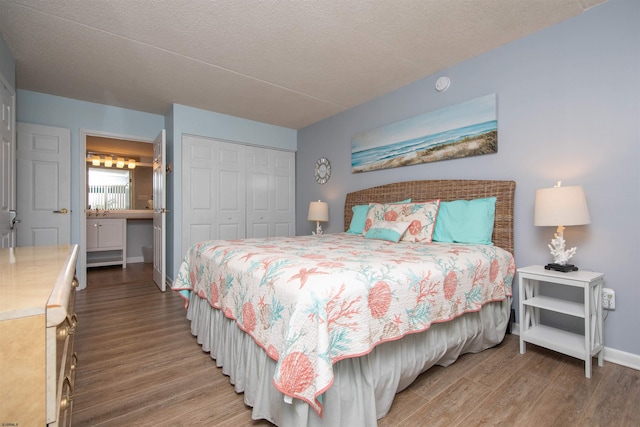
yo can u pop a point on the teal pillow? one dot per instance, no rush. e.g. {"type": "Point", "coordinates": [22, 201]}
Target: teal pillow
{"type": "Point", "coordinates": [466, 221]}
{"type": "Point", "coordinates": [359, 218]}
{"type": "Point", "coordinates": [387, 230]}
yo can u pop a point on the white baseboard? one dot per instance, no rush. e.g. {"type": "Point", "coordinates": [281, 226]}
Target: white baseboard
{"type": "Point", "coordinates": [623, 358]}
{"type": "Point", "coordinates": [612, 355]}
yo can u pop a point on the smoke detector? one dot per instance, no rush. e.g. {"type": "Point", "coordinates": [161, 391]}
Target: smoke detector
{"type": "Point", "coordinates": [443, 84]}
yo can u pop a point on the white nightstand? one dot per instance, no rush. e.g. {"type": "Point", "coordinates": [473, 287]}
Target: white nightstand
{"type": "Point", "coordinates": [531, 302]}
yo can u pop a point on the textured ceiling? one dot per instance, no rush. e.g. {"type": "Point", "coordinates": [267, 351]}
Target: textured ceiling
{"type": "Point", "coordinates": [285, 62]}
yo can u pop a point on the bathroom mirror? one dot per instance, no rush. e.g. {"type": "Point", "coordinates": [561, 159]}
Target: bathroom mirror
{"type": "Point", "coordinates": [119, 174]}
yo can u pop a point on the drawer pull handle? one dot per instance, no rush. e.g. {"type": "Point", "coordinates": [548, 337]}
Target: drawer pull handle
{"type": "Point", "coordinates": [74, 362]}
{"type": "Point", "coordinates": [66, 399]}
{"type": "Point", "coordinates": [73, 320]}
{"type": "Point", "coordinates": [63, 332]}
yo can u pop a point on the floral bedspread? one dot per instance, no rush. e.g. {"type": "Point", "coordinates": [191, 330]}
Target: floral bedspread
{"type": "Point", "coordinates": [310, 301]}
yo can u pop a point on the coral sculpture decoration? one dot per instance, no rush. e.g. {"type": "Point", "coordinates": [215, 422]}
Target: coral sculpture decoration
{"type": "Point", "coordinates": [557, 247]}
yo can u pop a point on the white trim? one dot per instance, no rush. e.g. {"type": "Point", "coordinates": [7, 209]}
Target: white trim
{"type": "Point", "coordinates": [611, 355]}
{"type": "Point", "coordinates": [248, 144]}
{"type": "Point", "coordinates": [622, 358]}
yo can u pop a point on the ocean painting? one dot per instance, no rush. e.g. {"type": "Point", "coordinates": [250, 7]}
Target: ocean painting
{"type": "Point", "coordinates": [462, 130]}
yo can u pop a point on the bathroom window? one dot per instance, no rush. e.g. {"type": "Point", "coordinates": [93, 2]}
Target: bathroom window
{"type": "Point", "coordinates": [108, 189]}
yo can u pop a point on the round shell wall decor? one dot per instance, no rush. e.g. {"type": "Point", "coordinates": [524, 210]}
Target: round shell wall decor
{"type": "Point", "coordinates": [322, 171]}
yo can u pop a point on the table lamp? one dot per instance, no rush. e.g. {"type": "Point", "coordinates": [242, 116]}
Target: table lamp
{"type": "Point", "coordinates": [318, 211]}
{"type": "Point", "coordinates": [561, 206]}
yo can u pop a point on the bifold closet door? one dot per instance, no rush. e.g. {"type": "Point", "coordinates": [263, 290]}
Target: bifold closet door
{"type": "Point", "coordinates": [270, 192]}
{"type": "Point", "coordinates": [213, 190]}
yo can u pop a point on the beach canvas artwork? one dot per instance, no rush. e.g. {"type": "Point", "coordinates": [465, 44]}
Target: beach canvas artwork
{"type": "Point", "coordinates": [462, 130]}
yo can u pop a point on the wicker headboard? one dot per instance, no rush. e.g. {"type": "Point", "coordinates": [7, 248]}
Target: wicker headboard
{"type": "Point", "coordinates": [445, 190]}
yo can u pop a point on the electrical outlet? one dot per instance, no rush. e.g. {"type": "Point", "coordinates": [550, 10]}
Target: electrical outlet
{"type": "Point", "coordinates": [608, 299]}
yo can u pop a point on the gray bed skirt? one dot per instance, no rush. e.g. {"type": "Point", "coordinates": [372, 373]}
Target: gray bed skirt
{"type": "Point", "coordinates": [363, 387]}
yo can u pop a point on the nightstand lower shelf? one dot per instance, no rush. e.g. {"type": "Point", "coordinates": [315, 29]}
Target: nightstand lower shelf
{"type": "Point", "coordinates": [557, 340]}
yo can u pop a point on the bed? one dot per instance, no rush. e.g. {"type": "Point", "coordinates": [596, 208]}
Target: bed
{"type": "Point", "coordinates": [325, 330]}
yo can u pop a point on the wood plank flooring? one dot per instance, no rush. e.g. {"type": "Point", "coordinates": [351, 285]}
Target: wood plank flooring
{"type": "Point", "coordinates": [139, 365]}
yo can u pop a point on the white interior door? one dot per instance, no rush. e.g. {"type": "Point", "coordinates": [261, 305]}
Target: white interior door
{"type": "Point", "coordinates": [7, 171]}
{"type": "Point", "coordinates": [159, 210]}
{"type": "Point", "coordinates": [43, 159]}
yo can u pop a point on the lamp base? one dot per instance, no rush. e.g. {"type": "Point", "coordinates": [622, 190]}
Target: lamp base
{"type": "Point", "coordinates": [318, 231]}
{"type": "Point", "coordinates": [564, 268]}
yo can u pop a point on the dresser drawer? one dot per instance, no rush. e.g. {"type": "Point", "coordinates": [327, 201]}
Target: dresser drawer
{"type": "Point", "coordinates": [61, 372]}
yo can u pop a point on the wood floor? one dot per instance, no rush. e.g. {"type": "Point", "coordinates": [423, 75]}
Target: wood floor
{"type": "Point", "coordinates": [140, 366]}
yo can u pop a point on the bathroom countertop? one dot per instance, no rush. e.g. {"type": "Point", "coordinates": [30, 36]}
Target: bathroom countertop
{"type": "Point", "coordinates": [126, 214]}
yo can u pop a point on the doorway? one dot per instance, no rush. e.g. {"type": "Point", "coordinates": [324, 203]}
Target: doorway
{"type": "Point", "coordinates": [107, 152]}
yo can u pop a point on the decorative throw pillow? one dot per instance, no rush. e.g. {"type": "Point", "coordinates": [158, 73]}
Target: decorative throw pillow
{"type": "Point", "coordinates": [358, 219]}
{"type": "Point", "coordinates": [466, 221]}
{"type": "Point", "coordinates": [421, 216]}
{"type": "Point", "coordinates": [422, 220]}
{"type": "Point", "coordinates": [387, 230]}
{"type": "Point", "coordinates": [356, 226]}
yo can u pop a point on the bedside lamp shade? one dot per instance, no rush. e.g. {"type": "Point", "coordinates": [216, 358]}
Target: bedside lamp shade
{"type": "Point", "coordinates": [318, 212]}
{"type": "Point", "coordinates": [558, 207]}
{"type": "Point", "coordinates": [561, 206]}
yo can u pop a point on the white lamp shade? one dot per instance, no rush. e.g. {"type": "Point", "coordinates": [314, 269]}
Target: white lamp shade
{"type": "Point", "coordinates": [561, 206]}
{"type": "Point", "coordinates": [318, 211]}
{"type": "Point", "coordinates": [108, 161]}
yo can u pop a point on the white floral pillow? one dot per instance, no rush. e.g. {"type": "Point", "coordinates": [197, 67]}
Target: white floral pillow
{"type": "Point", "coordinates": [421, 216]}
{"type": "Point", "coordinates": [422, 219]}
{"type": "Point", "coordinates": [380, 212]}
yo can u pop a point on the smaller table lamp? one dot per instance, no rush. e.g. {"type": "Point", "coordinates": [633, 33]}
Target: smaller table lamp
{"type": "Point", "coordinates": [318, 211]}
{"type": "Point", "coordinates": [560, 206]}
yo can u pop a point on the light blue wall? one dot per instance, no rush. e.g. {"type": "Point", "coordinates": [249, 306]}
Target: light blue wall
{"type": "Point", "coordinates": [568, 109]}
{"type": "Point", "coordinates": [7, 64]}
{"type": "Point", "coordinates": [194, 121]}
{"type": "Point", "coordinates": [48, 110]}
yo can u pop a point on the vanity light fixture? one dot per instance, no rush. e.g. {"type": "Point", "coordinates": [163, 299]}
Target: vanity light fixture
{"type": "Point", "coordinates": [120, 162]}
{"type": "Point", "coordinates": [95, 160]}
{"type": "Point", "coordinates": [108, 161]}
{"type": "Point", "coordinates": [132, 164]}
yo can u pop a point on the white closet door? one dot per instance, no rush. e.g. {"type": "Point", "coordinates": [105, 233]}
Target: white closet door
{"type": "Point", "coordinates": [259, 201]}
{"type": "Point", "coordinates": [231, 190]}
{"type": "Point", "coordinates": [213, 190]}
{"type": "Point", "coordinates": [270, 192]}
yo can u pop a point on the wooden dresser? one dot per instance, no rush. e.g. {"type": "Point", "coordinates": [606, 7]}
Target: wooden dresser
{"type": "Point", "coordinates": [37, 325]}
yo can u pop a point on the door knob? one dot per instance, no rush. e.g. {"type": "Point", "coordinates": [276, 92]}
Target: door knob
{"type": "Point", "coordinates": [61, 211]}
{"type": "Point", "coordinates": [13, 219]}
